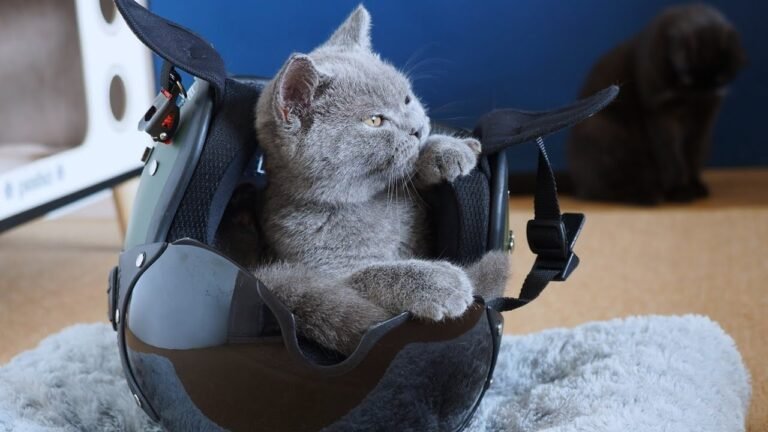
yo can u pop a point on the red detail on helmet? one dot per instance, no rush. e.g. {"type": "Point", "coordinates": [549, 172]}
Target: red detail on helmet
{"type": "Point", "coordinates": [168, 122]}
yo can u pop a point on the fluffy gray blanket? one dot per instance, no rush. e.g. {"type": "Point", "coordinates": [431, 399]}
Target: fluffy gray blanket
{"type": "Point", "coordinates": [649, 373]}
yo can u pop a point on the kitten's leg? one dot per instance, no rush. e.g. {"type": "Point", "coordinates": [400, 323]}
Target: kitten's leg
{"type": "Point", "coordinates": [429, 289]}
{"type": "Point", "coordinates": [445, 157]}
{"type": "Point", "coordinates": [489, 275]}
{"type": "Point", "coordinates": [326, 311]}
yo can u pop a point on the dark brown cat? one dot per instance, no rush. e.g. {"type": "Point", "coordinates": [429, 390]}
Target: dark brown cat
{"type": "Point", "coordinates": [650, 144]}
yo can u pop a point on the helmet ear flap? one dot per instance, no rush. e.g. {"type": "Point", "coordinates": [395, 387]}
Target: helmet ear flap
{"type": "Point", "coordinates": [503, 128]}
{"type": "Point", "coordinates": [176, 44]}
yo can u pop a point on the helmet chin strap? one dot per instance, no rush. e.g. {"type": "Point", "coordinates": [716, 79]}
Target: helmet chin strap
{"type": "Point", "coordinates": [551, 236]}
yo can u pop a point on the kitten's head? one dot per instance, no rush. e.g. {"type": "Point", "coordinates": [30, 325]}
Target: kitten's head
{"type": "Point", "coordinates": [702, 49]}
{"type": "Point", "coordinates": [340, 121]}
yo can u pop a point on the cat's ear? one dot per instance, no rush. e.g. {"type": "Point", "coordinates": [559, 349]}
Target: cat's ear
{"type": "Point", "coordinates": [739, 58]}
{"type": "Point", "coordinates": [677, 56]}
{"type": "Point", "coordinates": [296, 85]}
{"type": "Point", "coordinates": [354, 32]}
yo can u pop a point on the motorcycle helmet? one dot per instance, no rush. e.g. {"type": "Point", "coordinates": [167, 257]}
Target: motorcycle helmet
{"type": "Point", "coordinates": [206, 346]}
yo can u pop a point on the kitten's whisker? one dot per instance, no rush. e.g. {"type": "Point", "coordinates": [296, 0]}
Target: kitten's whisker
{"type": "Point", "coordinates": [412, 195]}
{"type": "Point", "coordinates": [405, 189]}
{"type": "Point", "coordinates": [419, 200]}
{"type": "Point", "coordinates": [443, 119]}
{"type": "Point", "coordinates": [397, 211]}
{"type": "Point", "coordinates": [434, 61]}
{"type": "Point", "coordinates": [418, 52]}
{"type": "Point", "coordinates": [450, 105]}
{"type": "Point", "coordinates": [420, 77]}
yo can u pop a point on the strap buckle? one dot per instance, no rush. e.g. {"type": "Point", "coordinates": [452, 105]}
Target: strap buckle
{"type": "Point", "coordinates": [112, 297]}
{"type": "Point", "coordinates": [553, 241]}
{"type": "Point", "coordinates": [162, 119]}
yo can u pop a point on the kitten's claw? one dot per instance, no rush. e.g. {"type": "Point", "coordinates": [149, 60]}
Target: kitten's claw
{"type": "Point", "coordinates": [446, 158]}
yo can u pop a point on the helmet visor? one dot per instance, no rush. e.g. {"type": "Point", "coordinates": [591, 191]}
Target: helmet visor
{"type": "Point", "coordinates": [206, 346]}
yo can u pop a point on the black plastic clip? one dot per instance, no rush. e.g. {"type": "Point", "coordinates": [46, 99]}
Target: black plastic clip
{"type": "Point", "coordinates": [112, 297]}
{"type": "Point", "coordinates": [162, 119]}
{"type": "Point", "coordinates": [553, 240]}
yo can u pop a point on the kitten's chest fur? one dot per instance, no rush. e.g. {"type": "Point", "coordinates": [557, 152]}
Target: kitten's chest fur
{"type": "Point", "coordinates": [342, 237]}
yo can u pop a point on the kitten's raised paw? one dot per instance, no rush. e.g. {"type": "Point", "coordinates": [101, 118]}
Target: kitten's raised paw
{"type": "Point", "coordinates": [446, 158]}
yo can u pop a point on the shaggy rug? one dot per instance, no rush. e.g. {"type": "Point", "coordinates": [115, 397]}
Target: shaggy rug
{"type": "Point", "coordinates": [648, 373]}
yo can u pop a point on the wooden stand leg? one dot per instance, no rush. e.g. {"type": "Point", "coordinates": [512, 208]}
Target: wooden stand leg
{"type": "Point", "coordinates": [123, 195]}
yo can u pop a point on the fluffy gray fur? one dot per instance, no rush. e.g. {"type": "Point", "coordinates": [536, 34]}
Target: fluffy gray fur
{"type": "Point", "coordinates": [342, 212]}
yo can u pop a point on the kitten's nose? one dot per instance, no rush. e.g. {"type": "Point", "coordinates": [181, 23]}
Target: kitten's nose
{"type": "Point", "coordinates": [416, 132]}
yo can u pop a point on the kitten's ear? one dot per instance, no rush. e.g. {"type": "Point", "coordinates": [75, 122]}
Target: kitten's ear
{"type": "Point", "coordinates": [354, 32]}
{"type": "Point", "coordinates": [295, 87]}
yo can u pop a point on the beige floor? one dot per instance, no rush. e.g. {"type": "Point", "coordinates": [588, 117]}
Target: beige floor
{"type": "Point", "coordinates": [709, 258]}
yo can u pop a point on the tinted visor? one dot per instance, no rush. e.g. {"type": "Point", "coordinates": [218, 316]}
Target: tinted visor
{"type": "Point", "coordinates": [206, 346]}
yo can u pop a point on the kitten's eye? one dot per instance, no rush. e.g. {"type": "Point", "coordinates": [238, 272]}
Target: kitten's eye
{"type": "Point", "coordinates": [374, 120]}
{"type": "Point", "coordinates": [407, 100]}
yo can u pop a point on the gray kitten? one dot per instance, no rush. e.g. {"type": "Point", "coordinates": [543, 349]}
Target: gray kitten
{"type": "Point", "coordinates": [347, 147]}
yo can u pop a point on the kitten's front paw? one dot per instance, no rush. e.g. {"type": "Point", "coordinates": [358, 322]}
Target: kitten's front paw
{"type": "Point", "coordinates": [431, 290]}
{"type": "Point", "coordinates": [448, 294]}
{"type": "Point", "coordinates": [446, 158]}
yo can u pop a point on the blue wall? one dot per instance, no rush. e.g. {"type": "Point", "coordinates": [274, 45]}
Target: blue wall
{"type": "Point", "coordinates": [472, 56]}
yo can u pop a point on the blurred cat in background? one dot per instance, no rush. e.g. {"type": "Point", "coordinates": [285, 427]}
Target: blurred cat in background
{"type": "Point", "coordinates": [650, 145]}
